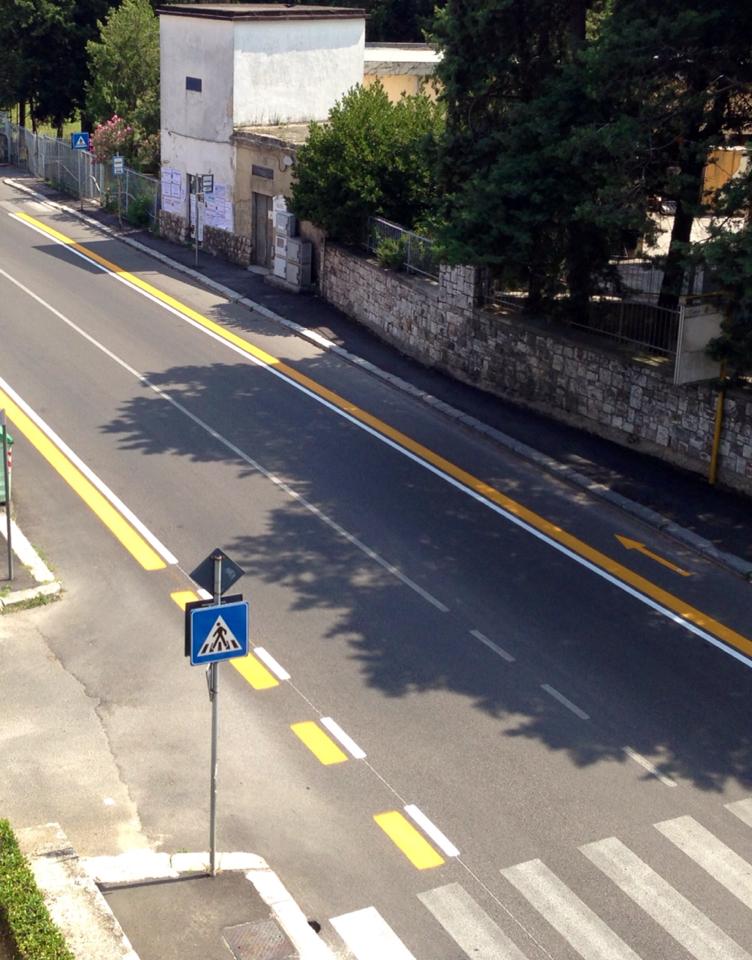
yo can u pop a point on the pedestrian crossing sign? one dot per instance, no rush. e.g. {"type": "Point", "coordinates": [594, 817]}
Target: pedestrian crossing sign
{"type": "Point", "coordinates": [219, 632]}
{"type": "Point", "coordinates": [80, 140]}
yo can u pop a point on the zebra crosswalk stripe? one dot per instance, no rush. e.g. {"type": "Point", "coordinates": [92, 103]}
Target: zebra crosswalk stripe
{"type": "Point", "coordinates": [369, 937]}
{"type": "Point", "coordinates": [468, 924]}
{"type": "Point", "coordinates": [697, 933]}
{"type": "Point", "coordinates": [720, 861]}
{"type": "Point", "coordinates": [575, 921]}
{"type": "Point", "coordinates": [741, 809]}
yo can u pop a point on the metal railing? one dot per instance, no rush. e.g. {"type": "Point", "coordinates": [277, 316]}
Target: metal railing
{"type": "Point", "coordinates": [77, 173]}
{"type": "Point", "coordinates": [644, 325]}
{"type": "Point", "coordinates": [419, 252]}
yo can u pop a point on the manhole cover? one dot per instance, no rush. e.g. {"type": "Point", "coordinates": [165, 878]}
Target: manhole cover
{"type": "Point", "coordinates": [259, 940]}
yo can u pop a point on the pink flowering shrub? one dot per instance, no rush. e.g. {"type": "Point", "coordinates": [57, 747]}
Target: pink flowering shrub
{"type": "Point", "coordinates": [112, 138]}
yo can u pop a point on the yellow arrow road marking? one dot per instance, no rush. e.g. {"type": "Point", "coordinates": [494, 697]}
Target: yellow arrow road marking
{"type": "Point", "coordinates": [599, 562]}
{"type": "Point", "coordinates": [641, 548]}
{"type": "Point", "coordinates": [412, 843]}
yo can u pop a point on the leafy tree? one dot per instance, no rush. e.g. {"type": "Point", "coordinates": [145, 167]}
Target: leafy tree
{"type": "Point", "coordinates": [372, 157]}
{"type": "Point", "coordinates": [395, 21]}
{"type": "Point", "coordinates": [683, 68]}
{"type": "Point", "coordinates": [124, 67]}
{"type": "Point", "coordinates": [44, 54]}
{"type": "Point", "coordinates": [516, 194]}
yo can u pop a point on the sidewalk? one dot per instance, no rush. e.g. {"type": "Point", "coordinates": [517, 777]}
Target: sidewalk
{"type": "Point", "coordinates": [681, 498]}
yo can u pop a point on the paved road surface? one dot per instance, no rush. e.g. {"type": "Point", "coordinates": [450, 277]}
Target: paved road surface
{"type": "Point", "coordinates": [554, 720]}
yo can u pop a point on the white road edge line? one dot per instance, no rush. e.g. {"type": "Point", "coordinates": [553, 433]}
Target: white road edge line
{"type": "Point", "coordinates": [564, 701]}
{"type": "Point", "coordinates": [651, 768]}
{"type": "Point", "coordinates": [293, 494]}
{"type": "Point", "coordinates": [431, 830]}
{"type": "Point", "coordinates": [345, 739]}
{"type": "Point", "coordinates": [276, 668]}
{"type": "Point", "coordinates": [101, 486]}
{"type": "Point", "coordinates": [457, 484]}
{"type": "Point", "coordinates": [492, 646]}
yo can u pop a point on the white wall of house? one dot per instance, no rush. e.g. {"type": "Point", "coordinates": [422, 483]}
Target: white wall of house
{"type": "Point", "coordinates": [201, 49]}
{"type": "Point", "coordinates": [292, 71]}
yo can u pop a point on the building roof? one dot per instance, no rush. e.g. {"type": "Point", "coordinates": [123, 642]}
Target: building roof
{"type": "Point", "coordinates": [287, 135]}
{"type": "Point", "coordinates": [259, 11]}
{"type": "Point", "coordinates": [400, 59]}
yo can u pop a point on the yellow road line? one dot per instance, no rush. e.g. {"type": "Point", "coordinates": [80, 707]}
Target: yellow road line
{"type": "Point", "coordinates": [412, 843]}
{"type": "Point", "coordinates": [550, 530]}
{"type": "Point", "coordinates": [183, 597]}
{"type": "Point", "coordinates": [253, 670]}
{"type": "Point", "coordinates": [319, 743]}
{"type": "Point", "coordinates": [133, 542]}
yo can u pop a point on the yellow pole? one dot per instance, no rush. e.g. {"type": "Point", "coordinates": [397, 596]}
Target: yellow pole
{"type": "Point", "coordinates": [713, 470]}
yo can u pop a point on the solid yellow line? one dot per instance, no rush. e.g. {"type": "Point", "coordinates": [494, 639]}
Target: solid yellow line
{"type": "Point", "coordinates": [319, 743]}
{"type": "Point", "coordinates": [675, 604]}
{"type": "Point", "coordinates": [133, 542]}
{"type": "Point", "coordinates": [183, 597]}
{"type": "Point", "coordinates": [413, 844]}
{"type": "Point", "coordinates": [253, 670]}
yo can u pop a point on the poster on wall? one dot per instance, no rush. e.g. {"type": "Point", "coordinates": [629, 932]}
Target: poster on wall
{"type": "Point", "coordinates": [173, 191]}
{"type": "Point", "coordinates": [218, 209]}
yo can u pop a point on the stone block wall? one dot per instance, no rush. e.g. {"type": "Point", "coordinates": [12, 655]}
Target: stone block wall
{"type": "Point", "coordinates": [220, 243]}
{"type": "Point", "coordinates": [229, 246]}
{"type": "Point", "coordinates": [546, 366]}
{"type": "Point", "coordinates": [172, 227]}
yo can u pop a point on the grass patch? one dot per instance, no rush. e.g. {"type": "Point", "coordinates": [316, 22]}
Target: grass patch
{"type": "Point", "coordinates": [25, 923]}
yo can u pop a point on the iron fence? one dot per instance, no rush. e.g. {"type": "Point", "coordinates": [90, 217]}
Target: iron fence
{"type": "Point", "coordinates": [642, 324]}
{"type": "Point", "coordinates": [77, 173]}
{"type": "Point", "coordinates": [419, 253]}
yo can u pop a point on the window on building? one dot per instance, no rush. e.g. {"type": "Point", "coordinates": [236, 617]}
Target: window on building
{"type": "Point", "coordinates": [193, 83]}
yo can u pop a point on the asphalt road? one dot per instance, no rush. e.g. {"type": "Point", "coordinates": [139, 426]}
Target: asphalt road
{"type": "Point", "coordinates": [543, 692]}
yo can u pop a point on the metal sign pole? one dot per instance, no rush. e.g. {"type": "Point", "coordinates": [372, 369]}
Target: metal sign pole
{"type": "Point", "coordinates": [198, 220]}
{"type": "Point", "coordinates": [213, 678]}
{"type": "Point", "coordinates": [6, 481]}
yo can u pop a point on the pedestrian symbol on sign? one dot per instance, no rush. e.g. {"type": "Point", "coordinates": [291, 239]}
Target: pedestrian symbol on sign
{"type": "Point", "coordinates": [220, 640]}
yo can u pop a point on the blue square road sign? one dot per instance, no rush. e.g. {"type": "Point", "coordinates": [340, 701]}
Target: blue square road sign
{"type": "Point", "coordinates": [219, 632]}
{"type": "Point", "coordinates": [79, 141]}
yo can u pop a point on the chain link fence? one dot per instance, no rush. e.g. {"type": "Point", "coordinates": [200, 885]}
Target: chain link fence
{"type": "Point", "coordinates": [135, 196]}
{"type": "Point", "coordinates": [419, 253]}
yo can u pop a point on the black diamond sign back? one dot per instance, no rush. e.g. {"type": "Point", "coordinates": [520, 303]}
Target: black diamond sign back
{"type": "Point", "coordinates": [204, 572]}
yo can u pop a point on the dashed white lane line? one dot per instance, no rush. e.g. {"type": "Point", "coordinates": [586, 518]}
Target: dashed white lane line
{"type": "Point", "coordinates": [492, 646]}
{"type": "Point", "coordinates": [276, 668]}
{"type": "Point", "coordinates": [564, 701]}
{"type": "Point", "coordinates": [431, 830]}
{"type": "Point", "coordinates": [254, 464]}
{"type": "Point", "coordinates": [651, 768]}
{"type": "Point", "coordinates": [347, 741]}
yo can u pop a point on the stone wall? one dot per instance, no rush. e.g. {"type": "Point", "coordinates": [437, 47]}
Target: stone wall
{"type": "Point", "coordinates": [220, 243]}
{"type": "Point", "coordinates": [172, 227]}
{"type": "Point", "coordinates": [229, 246]}
{"type": "Point", "coordinates": [561, 372]}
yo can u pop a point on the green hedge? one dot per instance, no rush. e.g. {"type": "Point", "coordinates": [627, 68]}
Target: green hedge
{"type": "Point", "coordinates": [23, 913]}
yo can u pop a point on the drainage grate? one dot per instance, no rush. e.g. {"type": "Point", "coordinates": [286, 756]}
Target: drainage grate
{"type": "Point", "coordinates": [260, 940]}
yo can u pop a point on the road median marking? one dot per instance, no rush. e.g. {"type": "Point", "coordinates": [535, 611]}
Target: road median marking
{"type": "Point", "coordinates": [604, 566]}
{"type": "Point", "coordinates": [114, 514]}
{"type": "Point", "coordinates": [254, 672]}
{"type": "Point", "coordinates": [319, 743]}
{"type": "Point", "coordinates": [183, 597]}
{"type": "Point", "coordinates": [409, 840]}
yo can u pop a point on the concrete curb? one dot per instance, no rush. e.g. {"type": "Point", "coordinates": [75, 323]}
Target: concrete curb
{"type": "Point", "coordinates": [651, 518]}
{"type": "Point", "coordinates": [136, 866]}
{"type": "Point", "coordinates": [47, 585]}
{"type": "Point", "coordinates": [73, 899]}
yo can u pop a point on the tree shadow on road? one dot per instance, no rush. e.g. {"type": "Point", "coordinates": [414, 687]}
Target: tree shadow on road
{"type": "Point", "coordinates": [602, 649]}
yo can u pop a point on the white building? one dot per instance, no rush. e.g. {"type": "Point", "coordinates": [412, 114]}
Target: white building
{"type": "Point", "coordinates": [234, 67]}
